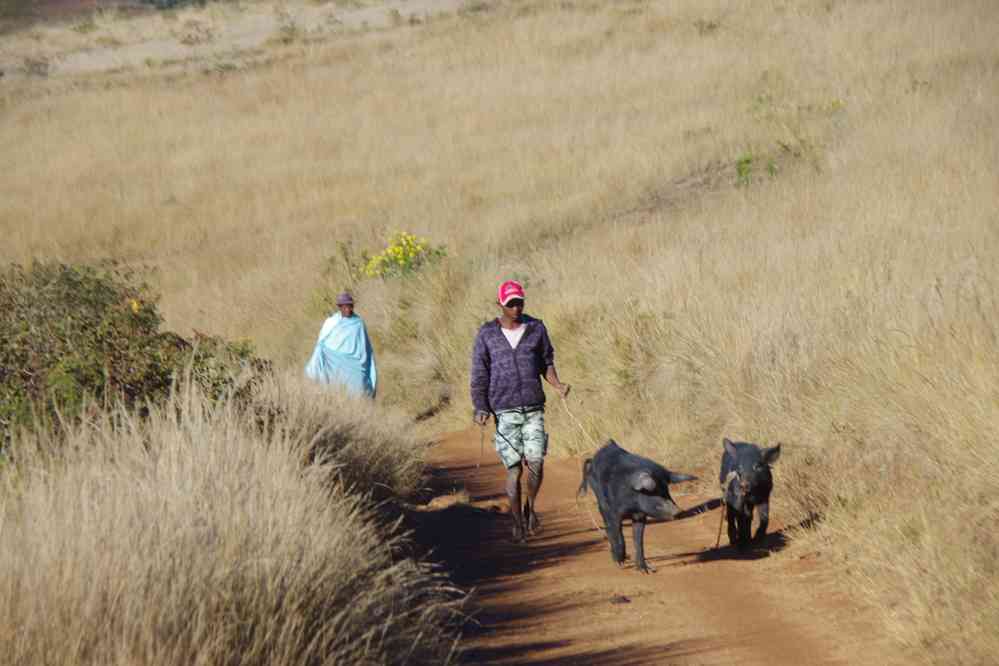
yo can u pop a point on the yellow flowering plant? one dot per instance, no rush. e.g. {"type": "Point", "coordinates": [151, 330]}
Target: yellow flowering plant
{"type": "Point", "coordinates": [404, 254]}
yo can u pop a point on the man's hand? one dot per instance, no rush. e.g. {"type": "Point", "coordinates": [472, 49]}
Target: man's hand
{"type": "Point", "coordinates": [480, 418]}
{"type": "Point", "coordinates": [551, 376]}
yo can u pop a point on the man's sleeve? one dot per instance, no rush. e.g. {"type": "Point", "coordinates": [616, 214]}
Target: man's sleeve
{"type": "Point", "coordinates": [480, 374]}
{"type": "Point", "coordinates": [547, 351]}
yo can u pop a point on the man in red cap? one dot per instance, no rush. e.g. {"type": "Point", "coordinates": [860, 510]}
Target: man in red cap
{"type": "Point", "coordinates": [510, 356]}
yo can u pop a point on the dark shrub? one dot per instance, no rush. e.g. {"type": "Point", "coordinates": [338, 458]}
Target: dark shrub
{"type": "Point", "coordinates": [73, 333]}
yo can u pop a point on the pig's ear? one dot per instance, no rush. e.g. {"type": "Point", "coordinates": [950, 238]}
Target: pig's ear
{"type": "Point", "coordinates": [770, 456]}
{"type": "Point", "coordinates": [676, 477]}
{"type": "Point", "coordinates": [729, 446]}
{"type": "Point", "coordinates": [643, 481]}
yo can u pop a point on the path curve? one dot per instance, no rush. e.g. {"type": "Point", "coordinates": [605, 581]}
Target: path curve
{"type": "Point", "coordinates": [560, 600]}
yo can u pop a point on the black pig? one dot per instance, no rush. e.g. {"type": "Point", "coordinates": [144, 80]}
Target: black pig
{"type": "Point", "coordinates": [627, 485]}
{"type": "Point", "coordinates": [746, 483]}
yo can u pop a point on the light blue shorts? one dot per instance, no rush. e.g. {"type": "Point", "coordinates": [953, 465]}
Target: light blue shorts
{"type": "Point", "coordinates": [520, 435]}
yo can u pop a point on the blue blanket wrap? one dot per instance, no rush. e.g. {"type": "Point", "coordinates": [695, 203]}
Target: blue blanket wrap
{"type": "Point", "coordinates": [343, 355]}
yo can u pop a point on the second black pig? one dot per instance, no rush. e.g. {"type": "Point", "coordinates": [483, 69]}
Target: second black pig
{"type": "Point", "coordinates": [629, 486]}
{"type": "Point", "coordinates": [746, 482]}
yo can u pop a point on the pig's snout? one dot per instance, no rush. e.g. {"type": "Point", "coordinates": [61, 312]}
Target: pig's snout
{"type": "Point", "coordinates": [736, 494]}
{"type": "Point", "coordinates": [736, 498]}
{"type": "Point", "coordinates": [666, 509]}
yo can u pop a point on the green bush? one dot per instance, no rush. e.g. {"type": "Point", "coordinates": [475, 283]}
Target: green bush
{"type": "Point", "coordinates": [77, 333]}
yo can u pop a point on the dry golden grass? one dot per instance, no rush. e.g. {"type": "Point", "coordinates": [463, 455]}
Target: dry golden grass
{"type": "Point", "coordinates": [191, 538]}
{"type": "Point", "coordinates": [845, 305]}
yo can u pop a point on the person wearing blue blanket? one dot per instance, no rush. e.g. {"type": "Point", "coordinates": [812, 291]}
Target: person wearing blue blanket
{"type": "Point", "coordinates": [343, 353]}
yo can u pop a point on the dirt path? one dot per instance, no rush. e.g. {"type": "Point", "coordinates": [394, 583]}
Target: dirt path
{"type": "Point", "coordinates": [560, 600]}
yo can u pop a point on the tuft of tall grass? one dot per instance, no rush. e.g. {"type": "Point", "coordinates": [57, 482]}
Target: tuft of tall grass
{"type": "Point", "coordinates": [369, 451]}
{"type": "Point", "coordinates": [194, 536]}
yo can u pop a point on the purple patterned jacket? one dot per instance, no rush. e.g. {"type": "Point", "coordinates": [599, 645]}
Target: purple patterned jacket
{"type": "Point", "coordinates": [506, 378]}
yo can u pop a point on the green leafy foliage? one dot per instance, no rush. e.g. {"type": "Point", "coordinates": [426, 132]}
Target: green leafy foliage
{"type": "Point", "coordinates": [77, 333]}
{"type": "Point", "coordinates": [744, 169]}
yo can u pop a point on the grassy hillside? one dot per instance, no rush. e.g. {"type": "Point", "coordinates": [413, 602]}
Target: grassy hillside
{"type": "Point", "coordinates": [767, 220]}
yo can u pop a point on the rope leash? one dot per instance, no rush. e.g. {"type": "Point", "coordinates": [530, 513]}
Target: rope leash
{"type": "Point", "coordinates": [579, 424]}
{"type": "Point", "coordinates": [721, 519]}
{"type": "Point", "coordinates": [482, 444]}
{"type": "Point", "coordinates": [724, 507]}
{"type": "Point", "coordinates": [592, 441]}
{"type": "Point", "coordinates": [589, 513]}
{"type": "Point", "coordinates": [482, 439]}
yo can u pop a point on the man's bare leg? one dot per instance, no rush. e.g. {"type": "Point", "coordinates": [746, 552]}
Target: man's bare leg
{"type": "Point", "coordinates": [513, 494]}
{"type": "Point", "coordinates": [535, 475]}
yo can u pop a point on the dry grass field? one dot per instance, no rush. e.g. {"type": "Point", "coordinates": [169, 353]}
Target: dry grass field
{"type": "Point", "coordinates": [771, 221]}
{"type": "Point", "coordinates": [192, 538]}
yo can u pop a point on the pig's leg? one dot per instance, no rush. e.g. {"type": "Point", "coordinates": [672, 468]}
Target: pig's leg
{"type": "Point", "coordinates": [745, 524]}
{"type": "Point", "coordinates": [615, 536]}
{"type": "Point", "coordinates": [638, 532]}
{"type": "Point", "coordinates": [513, 494]}
{"type": "Point", "coordinates": [733, 533]}
{"type": "Point", "coordinates": [535, 475]}
{"type": "Point", "coordinates": [761, 531]}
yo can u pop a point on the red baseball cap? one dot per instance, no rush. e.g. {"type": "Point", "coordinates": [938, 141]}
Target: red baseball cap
{"type": "Point", "coordinates": [510, 290]}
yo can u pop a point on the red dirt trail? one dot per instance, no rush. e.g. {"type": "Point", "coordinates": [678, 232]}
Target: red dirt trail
{"type": "Point", "coordinates": [560, 600]}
